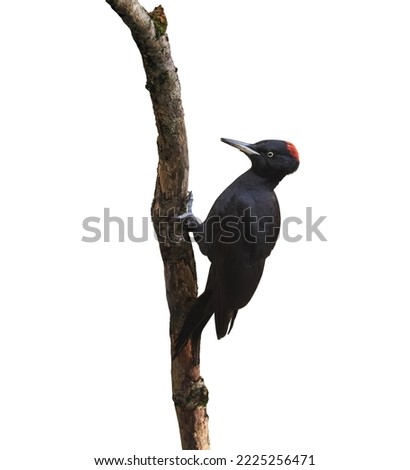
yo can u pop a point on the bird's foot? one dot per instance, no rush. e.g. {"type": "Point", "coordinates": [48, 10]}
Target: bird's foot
{"type": "Point", "coordinates": [190, 202]}
{"type": "Point", "coordinates": [185, 223]}
{"type": "Point", "coordinates": [188, 218]}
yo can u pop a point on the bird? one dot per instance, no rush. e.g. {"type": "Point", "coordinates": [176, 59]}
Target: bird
{"type": "Point", "coordinates": [237, 236]}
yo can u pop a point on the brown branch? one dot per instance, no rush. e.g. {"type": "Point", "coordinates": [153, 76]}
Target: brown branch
{"type": "Point", "coordinates": [149, 32]}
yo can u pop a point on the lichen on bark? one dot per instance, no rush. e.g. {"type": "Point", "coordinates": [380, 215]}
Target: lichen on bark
{"type": "Point", "coordinates": [160, 20]}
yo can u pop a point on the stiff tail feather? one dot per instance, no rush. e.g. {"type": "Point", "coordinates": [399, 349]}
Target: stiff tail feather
{"type": "Point", "coordinates": [198, 316]}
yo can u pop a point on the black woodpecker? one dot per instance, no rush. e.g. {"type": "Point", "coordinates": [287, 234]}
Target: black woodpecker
{"type": "Point", "coordinates": [238, 234]}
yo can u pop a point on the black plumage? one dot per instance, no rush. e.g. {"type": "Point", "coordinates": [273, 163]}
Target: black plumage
{"type": "Point", "coordinates": [238, 234]}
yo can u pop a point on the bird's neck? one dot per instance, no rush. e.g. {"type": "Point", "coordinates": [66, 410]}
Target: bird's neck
{"type": "Point", "coordinates": [269, 181]}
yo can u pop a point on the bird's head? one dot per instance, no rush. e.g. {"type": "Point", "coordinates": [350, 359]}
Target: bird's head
{"type": "Point", "coordinates": [269, 157]}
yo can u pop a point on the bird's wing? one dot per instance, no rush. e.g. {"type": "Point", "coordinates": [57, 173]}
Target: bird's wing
{"type": "Point", "coordinates": [239, 233]}
{"type": "Point", "coordinates": [238, 251]}
{"type": "Point", "coordinates": [249, 218]}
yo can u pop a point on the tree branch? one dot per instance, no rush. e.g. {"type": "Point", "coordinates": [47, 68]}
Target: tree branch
{"type": "Point", "coordinates": [149, 32]}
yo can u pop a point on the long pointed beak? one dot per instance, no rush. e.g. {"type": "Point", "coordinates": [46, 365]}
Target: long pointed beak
{"type": "Point", "coordinates": [242, 146]}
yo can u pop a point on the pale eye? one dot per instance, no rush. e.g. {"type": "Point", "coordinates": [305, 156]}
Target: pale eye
{"type": "Point", "coordinates": [270, 154]}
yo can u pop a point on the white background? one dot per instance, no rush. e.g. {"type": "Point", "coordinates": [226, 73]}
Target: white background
{"type": "Point", "coordinates": [318, 361]}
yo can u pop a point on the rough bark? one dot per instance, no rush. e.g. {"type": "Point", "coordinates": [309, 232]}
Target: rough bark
{"type": "Point", "coordinates": [190, 394]}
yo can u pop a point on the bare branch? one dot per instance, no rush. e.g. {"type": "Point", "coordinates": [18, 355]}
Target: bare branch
{"type": "Point", "coordinates": [149, 32]}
